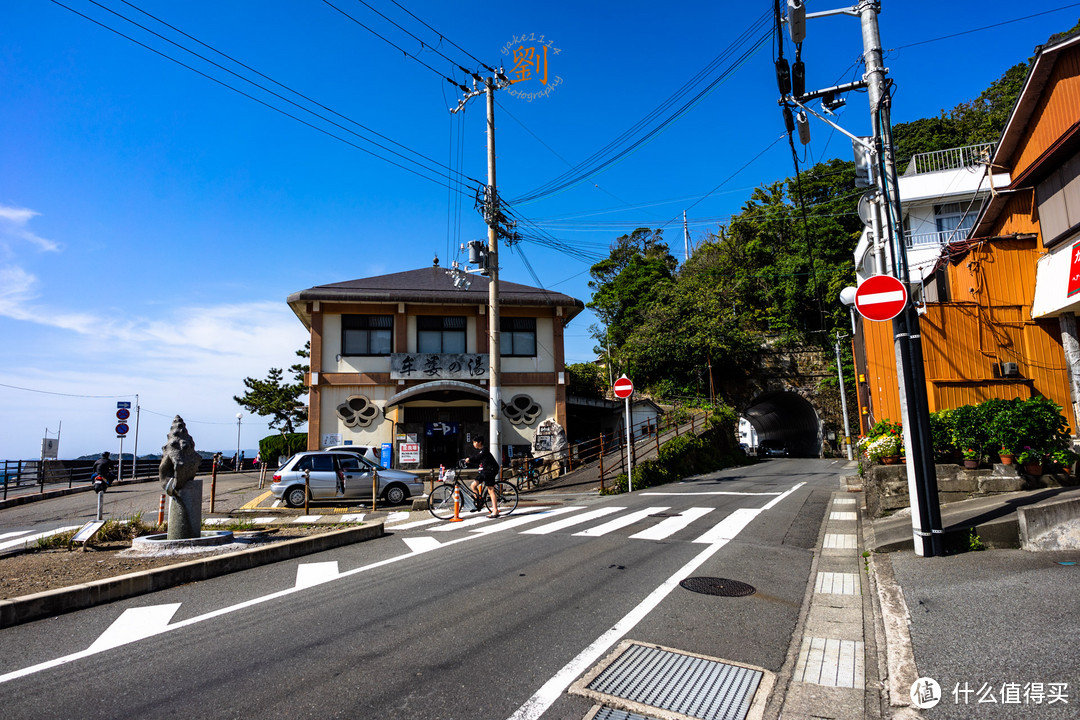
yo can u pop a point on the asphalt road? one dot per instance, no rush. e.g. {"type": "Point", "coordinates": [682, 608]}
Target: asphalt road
{"type": "Point", "coordinates": [486, 619]}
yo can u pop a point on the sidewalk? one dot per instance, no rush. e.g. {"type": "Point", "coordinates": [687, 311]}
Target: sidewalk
{"type": "Point", "coordinates": [995, 630]}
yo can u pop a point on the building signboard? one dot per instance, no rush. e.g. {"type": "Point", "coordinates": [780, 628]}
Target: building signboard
{"type": "Point", "coordinates": [438, 366]}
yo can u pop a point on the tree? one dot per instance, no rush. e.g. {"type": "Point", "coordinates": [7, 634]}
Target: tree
{"type": "Point", "coordinates": [628, 281]}
{"type": "Point", "coordinates": [277, 399]}
{"type": "Point", "coordinates": [586, 380]}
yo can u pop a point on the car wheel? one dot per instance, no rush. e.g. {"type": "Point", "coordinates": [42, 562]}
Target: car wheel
{"type": "Point", "coordinates": [395, 494]}
{"type": "Point", "coordinates": [294, 496]}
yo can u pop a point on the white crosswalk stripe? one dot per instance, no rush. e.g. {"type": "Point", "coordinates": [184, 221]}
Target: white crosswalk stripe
{"type": "Point", "coordinates": [730, 526]}
{"type": "Point", "coordinates": [621, 522]}
{"type": "Point", "coordinates": [571, 521]}
{"type": "Point", "coordinates": [671, 525]}
{"type": "Point", "coordinates": [519, 520]}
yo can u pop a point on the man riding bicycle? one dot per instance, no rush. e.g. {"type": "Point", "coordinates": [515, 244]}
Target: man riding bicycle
{"type": "Point", "coordinates": [488, 474]}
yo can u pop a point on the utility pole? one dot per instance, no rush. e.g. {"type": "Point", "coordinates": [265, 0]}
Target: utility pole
{"type": "Point", "coordinates": [843, 399]}
{"type": "Point", "coordinates": [685, 237]}
{"type": "Point", "coordinates": [494, 350]}
{"type": "Point", "coordinates": [915, 411]}
{"type": "Point", "coordinates": [491, 259]}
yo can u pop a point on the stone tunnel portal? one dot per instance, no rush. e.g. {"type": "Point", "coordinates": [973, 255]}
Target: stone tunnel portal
{"type": "Point", "coordinates": [786, 419]}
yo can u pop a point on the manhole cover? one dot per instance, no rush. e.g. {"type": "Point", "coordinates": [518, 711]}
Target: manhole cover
{"type": "Point", "coordinates": [718, 586]}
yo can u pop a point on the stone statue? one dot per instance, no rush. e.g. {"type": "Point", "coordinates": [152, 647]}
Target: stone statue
{"type": "Point", "coordinates": [179, 465]}
{"type": "Point", "coordinates": [550, 445]}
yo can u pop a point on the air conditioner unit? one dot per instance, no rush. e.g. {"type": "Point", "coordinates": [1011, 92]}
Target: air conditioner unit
{"type": "Point", "coordinates": [1010, 369]}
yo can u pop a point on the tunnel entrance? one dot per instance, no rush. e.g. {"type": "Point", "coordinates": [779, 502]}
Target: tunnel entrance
{"type": "Point", "coordinates": [785, 420]}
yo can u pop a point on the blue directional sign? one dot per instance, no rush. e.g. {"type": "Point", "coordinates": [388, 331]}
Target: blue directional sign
{"type": "Point", "coordinates": [123, 404]}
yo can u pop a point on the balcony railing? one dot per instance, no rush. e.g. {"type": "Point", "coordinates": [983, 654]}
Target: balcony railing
{"type": "Point", "coordinates": [951, 159]}
{"type": "Point", "coordinates": [937, 239]}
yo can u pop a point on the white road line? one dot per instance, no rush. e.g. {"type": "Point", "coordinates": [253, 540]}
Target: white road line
{"type": "Point", "coordinates": [310, 574]}
{"type": "Point", "coordinates": [418, 523]}
{"type": "Point", "coordinates": [715, 492]}
{"type": "Point", "coordinates": [571, 521]}
{"type": "Point", "coordinates": [421, 544]}
{"type": "Point", "coordinates": [471, 522]}
{"type": "Point", "coordinates": [671, 525]}
{"type": "Point", "coordinates": [543, 698]}
{"type": "Point", "coordinates": [730, 526]}
{"type": "Point", "coordinates": [359, 517]}
{"type": "Point", "coordinates": [307, 519]}
{"type": "Point", "coordinates": [516, 521]}
{"type": "Point", "coordinates": [620, 522]}
{"type": "Point", "coordinates": [17, 533]}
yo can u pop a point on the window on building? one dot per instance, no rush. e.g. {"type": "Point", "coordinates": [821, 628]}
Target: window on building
{"type": "Point", "coordinates": [956, 217]}
{"type": "Point", "coordinates": [367, 334]}
{"type": "Point", "coordinates": [440, 334]}
{"type": "Point", "coordinates": [1058, 198]}
{"type": "Point", "coordinates": [517, 337]}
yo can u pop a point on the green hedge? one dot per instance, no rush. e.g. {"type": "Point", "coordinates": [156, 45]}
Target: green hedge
{"type": "Point", "coordinates": [272, 447]}
{"type": "Point", "coordinates": [688, 455]}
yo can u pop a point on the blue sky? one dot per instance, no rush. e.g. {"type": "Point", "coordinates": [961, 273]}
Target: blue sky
{"type": "Point", "coordinates": [152, 221]}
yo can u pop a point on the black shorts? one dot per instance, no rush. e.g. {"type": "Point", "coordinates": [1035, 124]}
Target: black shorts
{"type": "Point", "coordinates": [488, 481]}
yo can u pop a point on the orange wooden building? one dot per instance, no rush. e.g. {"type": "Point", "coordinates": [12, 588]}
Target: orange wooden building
{"type": "Point", "coordinates": [981, 337]}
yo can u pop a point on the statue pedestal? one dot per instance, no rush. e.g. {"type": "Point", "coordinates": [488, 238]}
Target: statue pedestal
{"type": "Point", "coordinates": [185, 511]}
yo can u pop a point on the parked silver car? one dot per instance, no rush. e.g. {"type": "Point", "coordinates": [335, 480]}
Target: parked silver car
{"type": "Point", "coordinates": [371, 452]}
{"type": "Point", "coordinates": [340, 475]}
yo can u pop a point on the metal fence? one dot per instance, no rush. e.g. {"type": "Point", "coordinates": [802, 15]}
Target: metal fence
{"type": "Point", "coordinates": [951, 159]}
{"type": "Point", "coordinates": [938, 238]}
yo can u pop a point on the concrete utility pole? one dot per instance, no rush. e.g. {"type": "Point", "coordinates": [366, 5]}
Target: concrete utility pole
{"type": "Point", "coordinates": [915, 411]}
{"type": "Point", "coordinates": [491, 261]}
{"type": "Point", "coordinates": [494, 351]}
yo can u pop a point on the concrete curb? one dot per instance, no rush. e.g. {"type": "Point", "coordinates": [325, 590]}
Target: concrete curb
{"type": "Point", "coordinates": [55, 602]}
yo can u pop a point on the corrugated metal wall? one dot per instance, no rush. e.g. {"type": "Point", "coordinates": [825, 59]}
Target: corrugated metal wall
{"type": "Point", "coordinates": [1055, 113]}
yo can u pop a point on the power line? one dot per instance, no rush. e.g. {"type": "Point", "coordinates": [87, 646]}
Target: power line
{"type": "Point", "coordinates": [414, 37]}
{"type": "Point", "coordinates": [753, 38]}
{"type": "Point", "coordinates": [984, 27]}
{"type": "Point", "coordinates": [438, 180]}
{"type": "Point", "coordinates": [48, 392]}
{"type": "Point", "coordinates": [443, 37]}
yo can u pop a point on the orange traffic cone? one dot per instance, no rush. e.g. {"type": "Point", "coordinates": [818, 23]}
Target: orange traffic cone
{"type": "Point", "coordinates": [457, 506]}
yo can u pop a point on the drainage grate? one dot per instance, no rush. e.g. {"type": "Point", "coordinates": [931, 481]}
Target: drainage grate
{"type": "Point", "coordinates": [692, 686]}
{"type": "Point", "coordinates": [718, 586]}
{"type": "Point", "coordinates": [606, 713]}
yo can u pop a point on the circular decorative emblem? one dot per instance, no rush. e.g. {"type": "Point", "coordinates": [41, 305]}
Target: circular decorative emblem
{"type": "Point", "coordinates": [357, 411]}
{"type": "Point", "coordinates": [522, 410]}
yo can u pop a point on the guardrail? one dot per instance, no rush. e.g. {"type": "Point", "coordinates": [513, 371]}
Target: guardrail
{"type": "Point", "coordinates": [937, 238]}
{"type": "Point", "coordinates": [951, 159]}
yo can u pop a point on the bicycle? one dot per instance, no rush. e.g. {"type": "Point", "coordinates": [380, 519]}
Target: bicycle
{"type": "Point", "coordinates": [441, 499]}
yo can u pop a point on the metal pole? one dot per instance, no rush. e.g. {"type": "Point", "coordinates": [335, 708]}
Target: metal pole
{"type": "Point", "coordinates": [135, 452]}
{"type": "Point", "coordinates": [843, 400]}
{"type": "Point", "coordinates": [629, 449]}
{"type": "Point", "coordinates": [238, 417]}
{"type": "Point", "coordinates": [922, 475]}
{"type": "Point", "coordinates": [494, 359]}
{"type": "Point", "coordinates": [120, 462]}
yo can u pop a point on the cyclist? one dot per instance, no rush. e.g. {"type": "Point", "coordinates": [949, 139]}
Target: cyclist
{"type": "Point", "coordinates": [488, 474]}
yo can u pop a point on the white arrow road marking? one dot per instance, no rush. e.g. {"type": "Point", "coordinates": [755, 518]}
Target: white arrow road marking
{"type": "Point", "coordinates": [422, 544]}
{"type": "Point", "coordinates": [881, 297]}
{"type": "Point", "coordinates": [135, 624]}
{"type": "Point", "coordinates": [397, 517]}
{"type": "Point", "coordinates": [543, 698]}
{"type": "Point", "coordinates": [308, 574]}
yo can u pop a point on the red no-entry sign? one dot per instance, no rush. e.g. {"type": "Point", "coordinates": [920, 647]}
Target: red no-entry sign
{"type": "Point", "coordinates": [880, 297]}
{"type": "Point", "coordinates": [623, 387]}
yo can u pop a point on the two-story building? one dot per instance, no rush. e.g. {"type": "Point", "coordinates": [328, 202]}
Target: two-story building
{"type": "Point", "coordinates": [403, 359]}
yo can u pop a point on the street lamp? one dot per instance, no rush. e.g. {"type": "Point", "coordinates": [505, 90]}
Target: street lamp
{"type": "Point", "coordinates": [238, 416]}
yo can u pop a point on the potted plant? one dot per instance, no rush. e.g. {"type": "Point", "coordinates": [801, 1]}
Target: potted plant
{"type": "Point", "coordinates": [1064, 458]}
{"type": "Point", "coordinates": [884, 449]}
{"type": "Point", "coordinates": [971, 458]}
{"type": "Point", "coordinates": [1031, 459]}
{"type": "Point", "coordinates": [1007, 455]}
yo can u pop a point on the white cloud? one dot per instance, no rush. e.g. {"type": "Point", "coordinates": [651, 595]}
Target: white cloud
{"type": "Point", "coordinates": [13, 222]}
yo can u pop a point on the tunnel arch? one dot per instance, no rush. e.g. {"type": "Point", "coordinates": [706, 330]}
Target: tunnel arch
{"type": "Point", "coordinates": [786, 419]}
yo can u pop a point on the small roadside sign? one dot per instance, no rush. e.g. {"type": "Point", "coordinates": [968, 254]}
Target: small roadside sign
{"type": "Point", "coordinates": [87, 531]}
{"type": "Point", "coordinates": [123, 404]}
{"type": "Point", "coordinates": [623, 387]}
{"type": "Point", "coordinates": [123, 414]}
{"type": "Point", "coordinates": [880, 297]}
{"type": "Point", "coordinates": [122, 429]}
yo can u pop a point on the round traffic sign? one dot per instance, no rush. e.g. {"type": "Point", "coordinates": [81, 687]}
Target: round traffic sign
{"type": "Point", "coordinates": [623, 387]}
{"type": "Point", "coordinates": [123, 414]}
{"type": "Point", "coordinates": [122, 429]}
{"type": "Point", "coordinates": [880, 297]}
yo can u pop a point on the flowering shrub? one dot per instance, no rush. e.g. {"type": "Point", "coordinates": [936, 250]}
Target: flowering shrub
{"type": "Point", "coordinates": [1029, 456]}
{"type": "Point", "coordinates": [883, 446]}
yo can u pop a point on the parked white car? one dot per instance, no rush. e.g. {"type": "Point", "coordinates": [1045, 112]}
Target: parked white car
{"type": "Point", "coordinates": [371, 452]}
